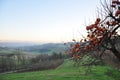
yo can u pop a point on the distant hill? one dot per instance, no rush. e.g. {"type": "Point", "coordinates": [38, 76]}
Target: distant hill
{"type": "Point", "coordinates": [9, 47]}
{"type": "Point", "coordinates": [5, 50]}
{"type": "Point", "coordinates": [46, 48]}
{"type": "Point", "coordinates": [16, 44]}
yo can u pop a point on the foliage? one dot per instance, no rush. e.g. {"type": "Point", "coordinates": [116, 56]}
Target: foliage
{"type": "Point", "coordinates": [19, 62]}
{"type": "Point", "coordinates": [102, 34]}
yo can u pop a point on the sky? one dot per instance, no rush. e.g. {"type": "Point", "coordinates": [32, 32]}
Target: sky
{"type": "Point", "coordinates": [45, 20]}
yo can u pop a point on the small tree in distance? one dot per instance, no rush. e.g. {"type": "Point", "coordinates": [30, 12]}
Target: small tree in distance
{"type": "Point", "coordinates": [102, 34]}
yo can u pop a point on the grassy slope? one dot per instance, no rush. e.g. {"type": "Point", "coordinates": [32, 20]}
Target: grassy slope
{"type": "Point", "coordinates": [66, 72]}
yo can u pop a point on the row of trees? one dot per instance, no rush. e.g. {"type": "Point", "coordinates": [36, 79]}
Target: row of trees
{"type": "Point", "coordinates": [11, 62]}
{"type": "Point", "coordinates": [46, 61]}
{"type": "Point", "coordinates": [20, 62]}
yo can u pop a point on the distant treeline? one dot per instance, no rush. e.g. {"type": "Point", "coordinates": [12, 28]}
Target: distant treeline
{"type": "Point", "coordinates": [45, 48]}
{"type": "Point", "coordinates": [19, 62]}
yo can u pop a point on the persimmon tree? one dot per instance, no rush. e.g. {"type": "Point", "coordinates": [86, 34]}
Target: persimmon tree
{"type": "Point", "coordinates": [102, 34]}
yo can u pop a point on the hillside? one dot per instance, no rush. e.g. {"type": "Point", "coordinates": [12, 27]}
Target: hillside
{"type": "Point", "coordinates": [67, 72]}
{"type": "Point", "coordinates": [30, 48]}
{"type": "Point", "coordinates": [5, 50]}
{"type": "Point", "coordinates": [45, 48]}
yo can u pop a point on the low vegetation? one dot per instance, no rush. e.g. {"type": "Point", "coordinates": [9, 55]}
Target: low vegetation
{"type": "Point", "coordinates": [19, 62]}
{"type": "Point", "coordinates": [67, 72]}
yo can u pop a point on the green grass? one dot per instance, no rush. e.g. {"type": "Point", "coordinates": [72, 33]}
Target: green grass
{"type": "Point", "coordinates": [67, 72]}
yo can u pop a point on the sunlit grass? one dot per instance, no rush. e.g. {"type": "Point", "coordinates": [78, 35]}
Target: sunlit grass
{"type": "Point", "coordinates": [67, 72]}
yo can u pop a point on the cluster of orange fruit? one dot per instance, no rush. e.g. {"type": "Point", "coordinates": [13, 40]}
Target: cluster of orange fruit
{"type": "Point", "coordinates": [115, 4]}
{"type": "Point", "coordinates": [96, 33]}
{"type": "Point", "coordinates": [74, 49]}
{"type": "Point", "coordinates": [111, 23]}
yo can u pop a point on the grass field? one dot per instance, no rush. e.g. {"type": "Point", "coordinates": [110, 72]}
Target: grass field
{"type": "Point", "coordinates": [67, 72]}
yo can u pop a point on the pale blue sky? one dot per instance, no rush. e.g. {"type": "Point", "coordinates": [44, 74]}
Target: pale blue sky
{"type": "Point", "coordinates": [45, 20]}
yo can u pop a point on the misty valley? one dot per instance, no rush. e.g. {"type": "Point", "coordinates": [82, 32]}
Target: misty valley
{"type": "Point", "coordinates": [23, 57]}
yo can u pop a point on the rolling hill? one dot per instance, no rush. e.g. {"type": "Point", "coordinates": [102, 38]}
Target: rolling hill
{"type": "Point", "coordinates": [32, 48]}
{"type": "Point", "coordinates": [45, 48]}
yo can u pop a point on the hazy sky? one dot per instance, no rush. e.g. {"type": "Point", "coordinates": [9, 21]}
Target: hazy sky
{"type": "Point", "coordinates": [45, 20]}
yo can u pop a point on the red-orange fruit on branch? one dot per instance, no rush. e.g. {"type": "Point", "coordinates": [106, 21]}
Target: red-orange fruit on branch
{"type": "Point", "coordinates": [113, 5]}
{"type": "Point", "coordinates": [108, 23]}
{"type": "Point", "coordinates": [77, 45]}
{"type": "Point", "coordinates": [115, 2]}
{"type": "Point", "coordinates": [113, 23]}
{"type": "Point", "coordinates": [98, 19]}
{"type": "Point", "coordinates": [117, 12]}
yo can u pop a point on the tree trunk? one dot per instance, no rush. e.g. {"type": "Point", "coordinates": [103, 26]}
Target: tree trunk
{"type": "Point", "coordinates": [116, 53]}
